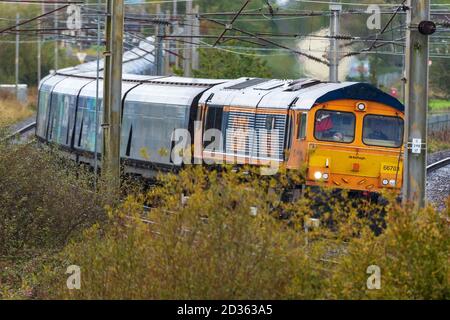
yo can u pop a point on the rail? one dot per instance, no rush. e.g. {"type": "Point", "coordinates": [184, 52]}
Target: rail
{"type": "Point", "coordinates": [20, 132]}
{"type": "Point", "coordinates": [438, 164]}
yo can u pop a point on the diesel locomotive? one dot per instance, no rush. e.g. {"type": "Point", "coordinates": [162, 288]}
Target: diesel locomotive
{"type": "Point", "coordinates": [348, 135]}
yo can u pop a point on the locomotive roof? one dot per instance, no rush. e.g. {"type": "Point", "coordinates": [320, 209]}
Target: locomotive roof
{"type": "Point", "coordinates": [301, 94]}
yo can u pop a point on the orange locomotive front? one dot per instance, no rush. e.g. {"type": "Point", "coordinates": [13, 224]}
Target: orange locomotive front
{"type": "Point", "coordinates": [349, 144]}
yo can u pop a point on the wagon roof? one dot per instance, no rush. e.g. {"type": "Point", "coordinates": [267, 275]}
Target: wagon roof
{"type": "Point", "coordinates": [160, 80]}
{"type": "Point", "coordinates": [299, 94]}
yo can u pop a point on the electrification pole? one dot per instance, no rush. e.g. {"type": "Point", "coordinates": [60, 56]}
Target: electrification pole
{"type": "Point", "coordinates": [187, 62]}
{"type": "Point", "coordinates": [417, 57]}
{"type": "Point", "coordinates": [55, 25]}
{"type": "Point", "coordinates": [335, 10]}
{"type": "Point", "coordinates": [112, 94]}
{"type": "Point", "coordinates": [159, 32]}
{"type": "Point", "coordinates": [166, 66]}
{"type": "Point", "coordinates": [97, 89]}
{"type": "Point", "coordinates": [38, 59]}
{"type": "Point", "coordinates": [175, 9]}
{"type": "Point", "coordinates": [106, 90]}
{"type": "Point", "coordinates": [39, 50]}
{"type": "Point", "coordinates": [196, 32]}
{"type": "Point", "coordinates": [175, 32]}
{"type": "Point", "coordinates": [16, 60]}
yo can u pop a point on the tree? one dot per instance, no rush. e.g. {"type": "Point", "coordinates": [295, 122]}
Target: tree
{"type": "Point", "coordinates": [221, 64]}
{"type": "Point", "coordinates": [28, 48]}
{"type": "Point", "coordinates": [439, 80]}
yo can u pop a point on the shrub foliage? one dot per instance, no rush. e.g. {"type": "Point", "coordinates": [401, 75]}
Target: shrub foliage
{"type": "Point", "coordinates": [208, 234]}
{"type": "Point", "coordinates": [213, 246]}
{"type": "Point", "coordinates": [44, 202]}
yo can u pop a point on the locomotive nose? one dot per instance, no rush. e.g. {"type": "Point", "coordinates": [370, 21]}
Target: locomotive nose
{"type": "Point", "coordinates": [358, 170]}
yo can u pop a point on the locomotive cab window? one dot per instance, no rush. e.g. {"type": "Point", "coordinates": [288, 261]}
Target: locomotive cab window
{"type": "Point", "coordinates": [213, 119]}
{"type": "Point", "coordinates": [214, 116]}
{"type": "Point", "coordinates": [383, 131]}
{"type": "Point", "coordinates": [301, 132]}
{"type": "Point", "coordinates": [334, 126]}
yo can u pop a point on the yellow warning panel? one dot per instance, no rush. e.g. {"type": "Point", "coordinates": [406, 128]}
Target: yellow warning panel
{"type": "Point", "coordinates": [390, 168]}
{"type": "Point", "coordinates": [318, 161]}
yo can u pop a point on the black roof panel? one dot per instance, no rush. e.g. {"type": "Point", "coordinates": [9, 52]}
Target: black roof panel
{"type": "Point", "coordinates": [246, 84]}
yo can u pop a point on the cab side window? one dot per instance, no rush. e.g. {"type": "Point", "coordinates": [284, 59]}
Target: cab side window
{"type": "Point", "coordinates": [214, 116]}
{"type": "Point", "coordinates": [301, 124]}
{"type": "Point", "coordinates": [213, 119]}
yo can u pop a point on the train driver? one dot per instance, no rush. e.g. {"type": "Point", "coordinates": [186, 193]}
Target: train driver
{"type": "Point", "coordinates": [376, 127]}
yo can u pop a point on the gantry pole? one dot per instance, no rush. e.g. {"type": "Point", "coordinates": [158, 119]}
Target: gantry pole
{"type": "Point", "coordinates": [39, 51]}
{"type": "Point", "coordinates": [187, 62]}
{"type": "Point", "coordinates": [335, 10]}
{"type": "Point", "coordinates": [16, 59]}
{"type": "Point", "coordinates": [56, 26]}
{"type": "Point", "coordinates": [416, 102]}
{"type": "Point", "coordinates": [112, 94]}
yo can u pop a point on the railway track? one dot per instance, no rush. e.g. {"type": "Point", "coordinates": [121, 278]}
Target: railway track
{"type": "Point", "coordinates": [438, 186]}
{"type": "Point", "coordinates": [22, 132]}
{"type": "Point", "coordinates": [438, 165]}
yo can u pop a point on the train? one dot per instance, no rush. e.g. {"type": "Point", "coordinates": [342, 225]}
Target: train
{"type": "Point", "coordinates": [347, 135]}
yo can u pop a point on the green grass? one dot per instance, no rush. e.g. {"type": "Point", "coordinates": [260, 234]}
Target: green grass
{"type": "Point", "coordinates": [438, 141]}
{"type": "Point", "coordinates": [11, 111]}
{"type": "Point", "coordinates": [436, 104]}
{"type": "Point", "coordinates": [435, 145]}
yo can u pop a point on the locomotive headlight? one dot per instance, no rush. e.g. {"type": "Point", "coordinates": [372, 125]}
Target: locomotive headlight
{"type": "Point", "coordinates": [325, 176]}
{"type": "Point", "coordinates": [392, 182]}
{"type": "Point", "coordinates": [385, 182]}
{"type": "Point", "coordinates": [361, 106]}
{"type": "Point", "coordinates": [317, 175]}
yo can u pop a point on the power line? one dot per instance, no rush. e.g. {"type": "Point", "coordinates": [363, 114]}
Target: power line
{"type": "Point", "coordinates": [364, 4]}
{"type": "Point", "coordinates": [32, 19]}
{"type": "Point", "coordinates": [40, 2]}
{"type": "Point", "coordinates": [230, 25]}
{"type": "Point", "coordinates": [401, 7]}
{"type": "Point", "coordinates": [271, 42]}
{"type": "Point", "coordinates": [346, 3]}
{"type": "Point", "coordinates": [261, 39]}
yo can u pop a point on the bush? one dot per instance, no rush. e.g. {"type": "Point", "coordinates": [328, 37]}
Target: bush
{"type": "Point", "coordinates": [412, 253]}
{"type": "Point", "coordinates": [232, 238]}
{"type": "Point", "coordinates": [439, 141]}
{"type": "Point", "coordinates": [44, 202]}
{"type": "Point", "coordinates": [13, 111]}
{"type": "Point", "coordinates": [212, 246]}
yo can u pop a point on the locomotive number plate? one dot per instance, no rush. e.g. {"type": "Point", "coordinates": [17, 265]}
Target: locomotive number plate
{"type": "Point", "coordinates": [389, 168]}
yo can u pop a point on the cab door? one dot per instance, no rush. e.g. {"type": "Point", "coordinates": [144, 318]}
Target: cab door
{"type": "Point", "coordinates": [298, 141]}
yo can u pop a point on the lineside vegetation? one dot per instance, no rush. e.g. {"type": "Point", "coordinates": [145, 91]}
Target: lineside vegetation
{"type": "Point", "coordinates": [232, 238]}
{"type": "Point", "coordinates": [12, 111]}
